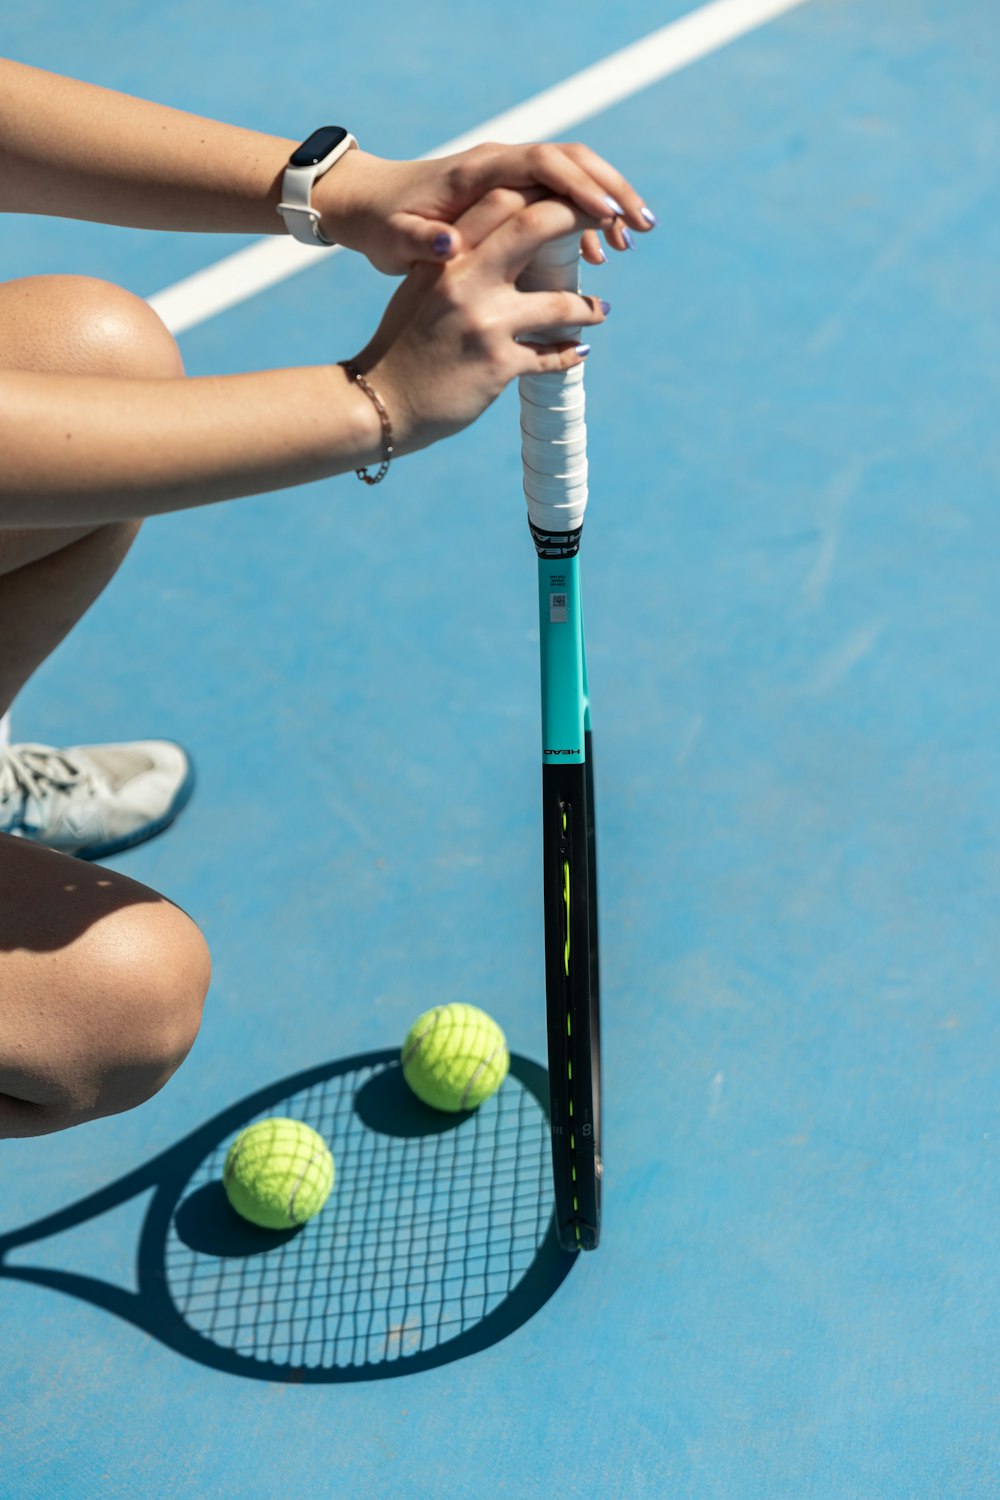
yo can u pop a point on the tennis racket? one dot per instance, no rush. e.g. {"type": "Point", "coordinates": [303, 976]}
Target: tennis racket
{"type": "Point", "coordinates": [554, 454]}
{"type": "Point", "coordinates": [436, 1243]}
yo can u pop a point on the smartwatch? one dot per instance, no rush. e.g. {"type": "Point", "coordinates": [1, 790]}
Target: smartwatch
{"type": "Point", "coordinates": [315, 156]}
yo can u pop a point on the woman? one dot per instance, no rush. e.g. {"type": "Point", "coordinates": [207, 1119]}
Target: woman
{"type": "Point", "coordinates": [102, 981]}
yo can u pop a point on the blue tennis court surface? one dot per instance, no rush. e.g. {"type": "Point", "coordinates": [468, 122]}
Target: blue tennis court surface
{"type": "Point", "coordinates": [790, 558]}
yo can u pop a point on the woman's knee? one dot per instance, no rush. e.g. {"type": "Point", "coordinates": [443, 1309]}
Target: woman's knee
{"type": "Point", "coordinates": [139, 981]}
{"type": "Point", "coordinates": [78, 325]}
{"type": "Point", "coordinates": [157, 963]}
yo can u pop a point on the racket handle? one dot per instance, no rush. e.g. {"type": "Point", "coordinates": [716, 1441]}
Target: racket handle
{"type": "Point", "coordinates": [553, 429]}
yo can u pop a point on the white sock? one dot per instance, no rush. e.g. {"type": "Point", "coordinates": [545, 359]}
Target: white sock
{"type": "Point", "coordinates": [5, 730]}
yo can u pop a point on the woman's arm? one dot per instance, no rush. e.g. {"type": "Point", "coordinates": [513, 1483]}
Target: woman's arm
{"type": "Point", "coordinates": [86, 450]}
{"type": "Point", "coordinates": [82, 450]}
{"type": "Point", "coordinates": [81, 152]}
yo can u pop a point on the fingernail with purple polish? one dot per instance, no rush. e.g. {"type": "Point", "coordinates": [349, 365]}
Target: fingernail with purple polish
{"type": "Point", "coordinates": [583, 350]}
{"type": "Point", "coordinates": [614, 205]}
{"type": "Point", "coordinates": [629, 238]}
{"type": "Point", "coordinates": [649, 216]}
{"type": "Point", "coordinates": [604, 306]}
{"type": "Point", "coordinates": [603, 260]}
{"type": "Point", "coordinates": [442, 244]}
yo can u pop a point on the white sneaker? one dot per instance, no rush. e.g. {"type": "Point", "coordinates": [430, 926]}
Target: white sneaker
{"type": "Point", "coordinates": [92, 800]}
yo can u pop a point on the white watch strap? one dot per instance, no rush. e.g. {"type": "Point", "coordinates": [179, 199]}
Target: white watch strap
{"type": "Point", "coordinates": [301, 219]}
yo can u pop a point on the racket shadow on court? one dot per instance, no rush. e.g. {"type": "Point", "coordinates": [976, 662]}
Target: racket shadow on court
{"type": "Point", "coordinates": [438, 1240]}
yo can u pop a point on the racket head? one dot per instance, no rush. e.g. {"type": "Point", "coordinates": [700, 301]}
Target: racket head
{"type": "Point", "coordinates": [438, 1240]}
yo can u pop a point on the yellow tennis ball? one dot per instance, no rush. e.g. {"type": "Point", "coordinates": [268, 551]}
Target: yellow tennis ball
{"type": "Point", "coordinates": [454, 1057]}
{"type": "Point", "coordinates": [278, 1173]}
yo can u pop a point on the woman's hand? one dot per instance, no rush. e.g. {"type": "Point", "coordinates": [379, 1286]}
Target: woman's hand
{"type": "Point", "coordinates": [448, 343]}
{"type": "Point", "coordinates": [399, 213]}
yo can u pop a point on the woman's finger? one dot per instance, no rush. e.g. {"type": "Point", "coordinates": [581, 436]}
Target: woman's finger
{"type": "Point", "coordinates": [510, 247]}
{"type": "Point", "coordinates": [554, 314]}
{"type": "Point", "coordinates": [571, 171]}
{"type": "Point", "coordinates": [590, 249]}
{"type": "Point", "coordinates": [541, 359]}
{"type": "Point", "coordinates": [492, 210]}
{"type": "Point", "coordinates": [418, 239]}
{"type": "Point", "coordinates": [635, 214]}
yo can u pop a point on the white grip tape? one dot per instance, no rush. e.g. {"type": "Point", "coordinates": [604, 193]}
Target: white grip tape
{"type": "Point", "coordinates": [553, 430]}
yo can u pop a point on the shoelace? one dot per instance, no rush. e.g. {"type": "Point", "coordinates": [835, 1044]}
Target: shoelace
{"type": "Point", "coordinates": [33, 771]}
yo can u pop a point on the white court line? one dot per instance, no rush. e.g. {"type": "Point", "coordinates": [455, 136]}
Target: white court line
{"type": "Point", "coordinates": [274, 258]}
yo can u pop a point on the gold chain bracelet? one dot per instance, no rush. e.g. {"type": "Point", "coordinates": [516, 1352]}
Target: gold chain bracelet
{"type": "Point", "coordinates": [355, 375]}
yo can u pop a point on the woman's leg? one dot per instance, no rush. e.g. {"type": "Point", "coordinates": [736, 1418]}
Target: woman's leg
{"type": "Point", "coordinates": [101, 980]}
{"type": "Point", "coordinates": [102, 983]}
{"type": "Point", "coordinates": [75, 326]}
{"type": "Point", "coordinates": [49, 578]}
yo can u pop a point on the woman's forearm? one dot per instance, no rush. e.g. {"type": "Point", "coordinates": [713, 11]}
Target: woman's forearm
{"type": "Point", "coordinates": [74, 150]}
{"type": "Point", "coordinates": [94, 450]}
{"type": "Point", "coordinates": [81, 152]}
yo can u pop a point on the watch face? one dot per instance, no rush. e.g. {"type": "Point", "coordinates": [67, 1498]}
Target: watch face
{"type": "Point", "coordinates": [319, 144]}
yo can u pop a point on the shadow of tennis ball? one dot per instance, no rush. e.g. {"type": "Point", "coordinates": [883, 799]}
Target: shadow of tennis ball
{"type": "Point", "coordinates": [387, 1105]}
{"type": "Point", "coordinates": [207, 1222]}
